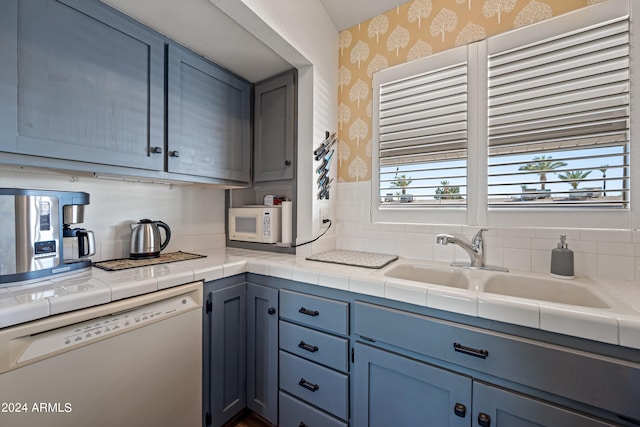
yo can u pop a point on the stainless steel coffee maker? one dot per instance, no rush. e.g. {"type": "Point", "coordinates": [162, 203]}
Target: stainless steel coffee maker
{"type": "Point", "coordinates": [36, 238]}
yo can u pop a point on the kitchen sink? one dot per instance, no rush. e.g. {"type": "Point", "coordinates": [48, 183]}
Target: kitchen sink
{"type": "Point", "coordinates": [426, 274]}
{"type": "Point", "coordinates": [580, 292]}
{"type": "Point", "coordinates": [544, 289]}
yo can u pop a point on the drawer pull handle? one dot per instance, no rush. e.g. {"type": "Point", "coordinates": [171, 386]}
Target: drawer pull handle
{"type": "Point", "coordinates": [302, 424]}
{"type": "Point", "coordinates": [460, 410]}
{"type": "Point", "coordinates": [310, 348]}
{"type": "Point", "coordinates": [308, 312]}
{"type": "Point", "coordinates": [484, 420]}
{"type": "Point", "coordinates": [470, 351]}
{"type": "Point", "coordinates": [309, 386]}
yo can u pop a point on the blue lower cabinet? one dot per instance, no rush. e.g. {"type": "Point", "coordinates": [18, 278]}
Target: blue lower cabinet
{"type": "Point", "coordinates": [316, 312]}
{"type": "Point", "coordinates": [295, 413]}
{"type": "Point", "coordinates": [318, 347]}
{"type": "Point", "coordinates": [315, 384]}
{"type": "Point", "coordinates": [496, 407]}
{"type": "Point", "coordinates": [393, 390]}
{"type": "Point", "coordinates": [225, 341]}
{"type": "Point", "coordinates": [240, 350]}
{"type": "Point", "coordinates": [262, 351]}
{"type": "Point", "coordinates": [314, 360]}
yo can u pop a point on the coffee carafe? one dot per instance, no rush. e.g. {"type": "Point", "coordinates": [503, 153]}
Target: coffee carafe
{"type": "Point", "coordinates": [79, 243]}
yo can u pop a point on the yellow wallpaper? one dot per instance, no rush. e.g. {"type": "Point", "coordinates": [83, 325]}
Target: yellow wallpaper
{"type": "Point", "coordinates": [413, 30]}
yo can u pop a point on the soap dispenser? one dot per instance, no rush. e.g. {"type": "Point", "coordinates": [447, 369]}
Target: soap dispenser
{"type": "Point", "coordinates": [562, 260]}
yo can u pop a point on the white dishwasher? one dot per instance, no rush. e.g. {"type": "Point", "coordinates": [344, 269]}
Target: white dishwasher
{"type": "Point", "coordinates": [130, 363]}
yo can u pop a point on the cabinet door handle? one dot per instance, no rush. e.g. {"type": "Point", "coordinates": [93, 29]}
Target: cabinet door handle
{"type": "Point", "coordinates": [174, 153]}
{"type": "Point", "coordinates": [460, 410]}
{"type": "Point", "coordinates": [308, 312]}
{"type": "Point", "coordinates": [271, 310]}
{"type": "Point", "coordinates": [309, 386]}
{"type": "Point", "coordinates": [287, 162]}
{"type": "Point", "coordinates": [156, 150]}
{"type": "Point", "coordinates": [482, 353]}
{"type": "Point", "coordinates": [310, 348]}
{"type": "Point", "coordinates": [302, 424]}
{"type": "Point", "coordinates": [484, 420]}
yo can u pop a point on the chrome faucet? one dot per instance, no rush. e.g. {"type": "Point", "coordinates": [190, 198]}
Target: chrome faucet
{"type": "Point", "coordinates": [475, 249]}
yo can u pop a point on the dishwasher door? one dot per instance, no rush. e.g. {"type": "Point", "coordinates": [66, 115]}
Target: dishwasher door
{"type": "Point", "coordinates": [138, 363]}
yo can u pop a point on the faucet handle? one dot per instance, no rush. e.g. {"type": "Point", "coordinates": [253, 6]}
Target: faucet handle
{"type": "Point", "coordinates": [479, 233]}
{"type": "Point", "coordinates": [478, 239]}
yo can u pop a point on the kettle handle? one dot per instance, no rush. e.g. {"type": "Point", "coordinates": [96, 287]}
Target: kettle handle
{"type": "Point", "coordinates": [167, 233]}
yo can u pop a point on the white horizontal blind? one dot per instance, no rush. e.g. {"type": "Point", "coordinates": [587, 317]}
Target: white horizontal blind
{"type": "Point", "coordinates": [558, 120]}
{"type": "Point", "coordinates": [422, 134]}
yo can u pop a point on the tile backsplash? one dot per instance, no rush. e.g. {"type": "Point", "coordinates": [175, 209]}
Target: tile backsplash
{"type": "Point", "coordinates": [597, 253]}
{"type": "Point", "coordinates": [195, 213]}
{"type": "Point", "coordinates": [197, 222]}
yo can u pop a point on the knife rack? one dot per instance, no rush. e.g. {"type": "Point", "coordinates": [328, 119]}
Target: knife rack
{"type": "Point", "coordinates": [324, 153]}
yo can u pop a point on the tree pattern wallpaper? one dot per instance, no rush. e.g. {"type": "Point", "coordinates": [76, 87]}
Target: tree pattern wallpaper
{"type": "Point", "coordinates": [411, 31]}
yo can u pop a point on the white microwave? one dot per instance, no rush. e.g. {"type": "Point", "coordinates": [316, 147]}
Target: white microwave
{"type": "Point", "coordinates": [259, 224]}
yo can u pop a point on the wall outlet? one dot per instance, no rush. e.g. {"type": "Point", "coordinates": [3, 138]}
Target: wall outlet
{"type": "Point", "coordinates": [324, 215]}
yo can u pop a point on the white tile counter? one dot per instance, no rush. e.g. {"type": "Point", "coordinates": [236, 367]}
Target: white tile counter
{"type": "Point", "coordinates": [619, 324]}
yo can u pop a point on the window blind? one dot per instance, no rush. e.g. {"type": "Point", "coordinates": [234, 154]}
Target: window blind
{"type": "Point", "coordinates": [558, 120]}
{"type": "Point", "coordinates": [422, 131]}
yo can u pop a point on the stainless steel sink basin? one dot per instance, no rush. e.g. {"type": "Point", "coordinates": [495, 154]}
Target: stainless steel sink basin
{"type": "Point", "coordinates": [544, 289]}
{"type": "Point", "coordinates": [425, 274]}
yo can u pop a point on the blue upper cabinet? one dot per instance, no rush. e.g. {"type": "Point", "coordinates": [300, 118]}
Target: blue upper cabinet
{"type": "Point", "coordinates": [274, 129]}
{"type": "Point", "coordinates": [84, 87]}
{"type": "Point", "coordinates": [89, 84]}
{"type": "Point", "coordinates": [209, 119]}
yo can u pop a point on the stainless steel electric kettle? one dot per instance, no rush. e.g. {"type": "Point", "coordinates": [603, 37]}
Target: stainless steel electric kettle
{"type": "Point", "coordinates": [146, 240]}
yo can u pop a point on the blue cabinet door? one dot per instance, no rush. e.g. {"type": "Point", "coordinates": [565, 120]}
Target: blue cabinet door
{"type": "Point", "coordinates": [497, 407]}
{"type": "Point", "coordinates": [393, 390]}
{"type": "Point", "coordinates": [88, 81]}
{"type": "Point", "coordinates": [227, 388]}
{"type": "Point", "coordinates": [209, 129]}
{"type": "Point", "coordinates": [274, 128]}
{"type": "Point", "coordinates": [262, 351]}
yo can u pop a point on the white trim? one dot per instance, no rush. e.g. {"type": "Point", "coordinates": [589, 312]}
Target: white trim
{"type": "Point", "coordinates": [477, 212]}
{"type": "Point", "coordinates": [480, 135]}
{"type": "Point", "coordinates": [634, 205]}
{"type": "Point", "coordinates": [578, 20]}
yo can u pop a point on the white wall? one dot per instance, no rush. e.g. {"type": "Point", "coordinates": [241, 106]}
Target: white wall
{"type": "Point", "coordinates": [195, 213]}
{"type": "Point", "coordinates": [304, 35]}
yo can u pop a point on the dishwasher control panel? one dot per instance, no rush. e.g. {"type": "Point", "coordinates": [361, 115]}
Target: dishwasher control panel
{"type": "Point", "coordinates": [96, 329]}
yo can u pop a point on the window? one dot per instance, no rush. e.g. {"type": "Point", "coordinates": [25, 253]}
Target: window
{"type": "Point", "coordinates": [423, 134]}
{"type": "Point", "coordinates": [558, 120]}
{"type": "Point", "coordinates": [526, 128]}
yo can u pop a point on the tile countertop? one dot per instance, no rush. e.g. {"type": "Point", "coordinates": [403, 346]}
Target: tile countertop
{"type": "Point", "coordinates": [619, 325]}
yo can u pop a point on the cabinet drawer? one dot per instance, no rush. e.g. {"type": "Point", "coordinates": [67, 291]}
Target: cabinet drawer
{"type": "Point", "coordinates": [295, 413]}
{"type": "Point", "coordinates": [318, 312]}
{"type": "Point", "coordinates": [593, 379]}
{"type": "Point", "coordinates": [314, 345]}
{"type": "Point", "coordinates": [315, 384]}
